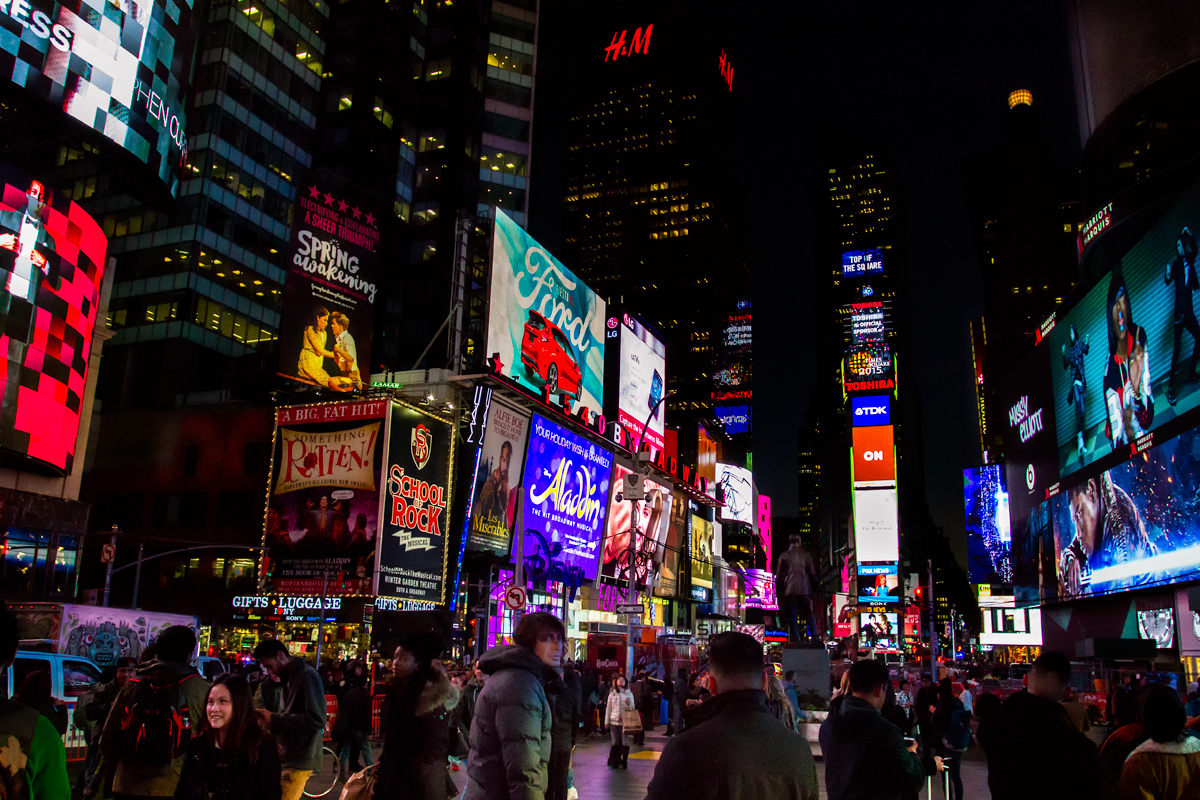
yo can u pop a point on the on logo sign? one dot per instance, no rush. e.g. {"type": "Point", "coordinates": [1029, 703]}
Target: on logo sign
{"type": "Point", "coordinates": [873, 455]}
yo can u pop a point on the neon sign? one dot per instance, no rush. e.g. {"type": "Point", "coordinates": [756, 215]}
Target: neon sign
{"type": "Point", "coordinates": [640, 44]}
{"type": "Point", "coordinates": [726, 70]}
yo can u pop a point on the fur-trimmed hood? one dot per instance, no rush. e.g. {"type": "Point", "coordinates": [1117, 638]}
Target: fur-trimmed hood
{"type": "Point", "coordinates": [1185, 745]}
{"type": "Point", "coordinates": [438, 695]}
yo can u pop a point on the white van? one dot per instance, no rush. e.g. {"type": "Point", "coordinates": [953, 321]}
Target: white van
{"type": "Point", "coordinates": [71, 677]}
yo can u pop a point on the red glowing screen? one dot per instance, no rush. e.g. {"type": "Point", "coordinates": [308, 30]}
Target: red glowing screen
{"type": "Point", "coordinates": [639, 43]}
{"type": "Point", "coordinates": [51, 263]}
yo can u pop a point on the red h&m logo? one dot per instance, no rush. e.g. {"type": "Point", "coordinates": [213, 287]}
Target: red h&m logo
{"type": "Point", "coordinates": [726, 70]}
{"type": "Point", "coordinates": [640, 44]}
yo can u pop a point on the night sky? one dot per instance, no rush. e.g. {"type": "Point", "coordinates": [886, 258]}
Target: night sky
{"type": "Point", "coordinates": [931, 82]}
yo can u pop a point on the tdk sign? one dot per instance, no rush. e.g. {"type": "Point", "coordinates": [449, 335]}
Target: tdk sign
{"type": "Point", "coordinates": [871, 410]}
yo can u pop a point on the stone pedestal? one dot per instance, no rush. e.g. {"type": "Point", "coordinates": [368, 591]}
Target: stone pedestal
{"type": "Point", "coordinates": [811, 664]}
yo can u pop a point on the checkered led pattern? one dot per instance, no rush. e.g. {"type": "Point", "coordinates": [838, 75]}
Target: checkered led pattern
{"type": "Point", "coordinates": [45, 345]}
{"type": "Point", "coordinates": [108, 65]}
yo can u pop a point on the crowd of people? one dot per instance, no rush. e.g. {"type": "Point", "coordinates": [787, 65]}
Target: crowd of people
{"type": "Point", "coordinates": [158, 729]}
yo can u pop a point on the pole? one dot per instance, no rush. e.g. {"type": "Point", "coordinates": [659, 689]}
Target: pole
{"type": "Point", "coordinates": [321, 624]}
{"type": "Point", "coordinates": [108, 573]}
{"type": "Point", "coordinates": [933, 645]}
{"type": "Point", "coordinates": [952, 650]}
{"type": "Point", "coordinates": [137, 575]}
{"type": "Point", "coordinates": [632, 592]}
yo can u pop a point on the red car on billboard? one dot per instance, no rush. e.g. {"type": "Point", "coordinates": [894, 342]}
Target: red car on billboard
{"type": "Point", "coordinates": [546, 352]}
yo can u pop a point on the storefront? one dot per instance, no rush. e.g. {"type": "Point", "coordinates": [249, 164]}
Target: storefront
{"type": "Point", "coordinates": [341, 625]}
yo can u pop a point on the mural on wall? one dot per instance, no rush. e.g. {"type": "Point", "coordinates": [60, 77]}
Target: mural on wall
{"type": "Point", "coordinates": [103, 643]}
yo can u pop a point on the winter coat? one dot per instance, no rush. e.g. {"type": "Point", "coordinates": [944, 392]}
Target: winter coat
{"type": "Point", "coordinates": [566, 710]}
{"type": "Point", "coordinates": [355, 707]}
{"type": "Point", "coordinates": [865, 757]}
{"type": "Point", "coordinates": [466, 705]}
{"type": "Point", "coordinates": [797, 571]}
{"type": "Point", "coordinates": [139, 778]}
{"type": "Point", "coordinates": [733, 749]}
{"type": "Point", "coordinates": [416, 741]}
{"type": "Point", "coordinates": [618, 700]}
{"type": "Point", "coordinates": [1028, 740]}
{"type": "Point", "coordinates": [1163, 770]}
{"type": "Point", "coordinates": [510, 734]}
{"type": "Point", "coordinates": [210, 773]}
{"type": "Point", "coordinates": [299, 715]}
{"type": "Point", "coordinates": [939, 723]}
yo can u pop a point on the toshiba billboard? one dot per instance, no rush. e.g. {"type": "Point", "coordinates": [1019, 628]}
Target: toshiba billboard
{"type": "Point", "coordinates": [874, 456]}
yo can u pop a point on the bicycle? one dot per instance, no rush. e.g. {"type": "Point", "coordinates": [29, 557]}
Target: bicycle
{"type": "Point", "coordinates": [324, 780]}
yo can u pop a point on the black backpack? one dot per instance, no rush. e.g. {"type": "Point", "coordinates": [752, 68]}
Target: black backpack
{"type": "Point", "coordinates": [156, 724]}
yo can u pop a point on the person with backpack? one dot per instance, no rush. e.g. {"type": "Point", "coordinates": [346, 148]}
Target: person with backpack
{"type": "Point", "coordinates": [152, 720]}
{"type": "Point", "coordinates": [296, 715]}
{"type": "Point", "coordinates": [35, 765]}
{"type": "Point", "coordinates": [230, 757]}
{"type": "Point", "coordinates": [950, 733]}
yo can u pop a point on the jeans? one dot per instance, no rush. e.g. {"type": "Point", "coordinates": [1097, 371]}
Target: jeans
{"type": "Point", "coordinates": [618, 735]}
{"type": "Point", "coordinates": [356, 752]}
{"type": "Point", "coordinates": [953, 761]}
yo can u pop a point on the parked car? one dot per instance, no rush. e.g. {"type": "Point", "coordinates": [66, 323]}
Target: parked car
{"type": "Point", "coordinates": [547, 353]}
{"type": "Point", "coordinates": [71, 677]}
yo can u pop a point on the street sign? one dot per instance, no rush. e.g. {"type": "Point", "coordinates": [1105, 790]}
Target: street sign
{"type": "Point", "coordinates": [633, 488]}
{"type": "Point", "coordinates": [514, 598]}
{"type": "Point", "coordinates": [633, 608]}
{"type": "Point", "coordinates": [479, 611]}
{"type": "Point", "coordinates": [108, 553]}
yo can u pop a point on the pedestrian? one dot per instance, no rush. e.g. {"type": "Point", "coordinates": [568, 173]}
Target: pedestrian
{"type": "Point", "coordinates": [510, 734]}
{"type": "Point", "coordinates": [950, 731]}
{"type": "Point", "coordinates": [295, 714]}
{"type": "Point", "coordinates": [468, 699]}
{"type": "Point", "coordinates": [733, 748]}
{"type": "Point", "coordinates": [229, 757]}
{"type": "Point", "coordinates": [679, 696]}
{"type": "Point", "coordinates": [620, 704]}
{"type": "Point", "coordinates": [36, 691]}
{"type": "Point", "coordinates": [1167, 765]}
{"type": "Point", "coordinates": [865, 755]}
{"type": "Point", "coordinates": [602, 704]}
{"type": "Point", "coordinates": [924, 704]}
{"type": "Point", "coordinates": [145, 734]}
{"type": "Point", "coordinates": [35, 762]}
{"type": "Point", "coordinates": [1029, 742]}
{"type": "Point", "coordinates": [354, 717]}
{"type": "Point", "coordinates": [565, 709]}
{"type": "Point", "coordinates": [777, 700]}
{"type": "Point", "coordinates": [1076, 712]}
{"type": "Point", "coordinates": [90, 713]}
{"type": "Point", "coordinates": [789, 688]}
{"type": "Point", "coordinates": [419, 723]}
{"type": "Point", "coordinates": [894, 713]}
{"type": "Point", "coordinates": [967, 698]}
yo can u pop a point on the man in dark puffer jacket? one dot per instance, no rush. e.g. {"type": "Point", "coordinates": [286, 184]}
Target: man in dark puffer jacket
{"type": "Point", "coordinates": [510, 732]}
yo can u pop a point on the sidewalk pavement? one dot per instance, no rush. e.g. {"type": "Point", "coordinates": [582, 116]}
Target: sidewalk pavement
{"type": "Point", "coordinates": [594, 780]}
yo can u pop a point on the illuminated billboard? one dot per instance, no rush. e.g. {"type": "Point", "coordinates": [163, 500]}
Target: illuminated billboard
{"type": "Point", "coordinates": [871, 410]}
{"type": "Point", "coordinates": [878, 583]}
{"type": "Point", "coordinates": [733, 369]}
{"type": "Point", "coordinates": [678, 535]}
{"type": "Point", "coordinates": [737, 486]}
{"type": "Point", "coordinates": [329, 297]}
{"type": "Point", "coordinates": [52, 260]}
{"type": "Point", "coordinates": [876, 525]}
{"type": "Point", "coordinates": [1011, 626]}
{"type": "Point", "coordinates": [545, 324]}
{"type": "Point", "coordinates": [989, 538]}
{"type": "Point", "coordinates": [701, 553]}
{"type": "Point", "coordinates": [758, 589]}
{"type": "Point", "coordinates": [652, 518]}
{"type": "Point", "coordinates": [735, 419]}
{"type": "Point", "coordinates": [498, 480]}
{"type": "Point", "coordinates": [862, 262]}
{"type": "Point", "coordinates": [322, 520]}
{"type": "Point", "coordinates": [879, 630]}
{"type": "Point", "coordinates": [867, 321]}
{"type": "Point", "coordinates": [868, 367]}
{"type": "Point", "coordinates": [643, 380]}
{"type": "Point", "coordinates": [566, 494]}
{"type": "Point", "coordinates": [874, 455]}
{"type": "Point", "coordinates": [121, 69]}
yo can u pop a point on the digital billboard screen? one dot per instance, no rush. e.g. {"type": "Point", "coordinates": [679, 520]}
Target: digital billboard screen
{"type": "Point", "coordinates": [879, 630]}
{"type": "Point", "coordinates": [873, 450]}
{"type": "Point", "coordinates": [52, 261]}
{"type": "Point", "coordinates": [867, 321]}
{"type": "Point", "coordinates": [643, 380]}
{"type": "Point", "coordinates": [545, 324]}
{"type": "Point", "coordinates": [758, 589]}
{"type": "Point", "coordinates": [121, 69]}
{"type": "Point", "coordinates": [733, 368]}
{"type": "Point", "coordinates": [322, 519]}
{"type": "Point", "coordinates": [678, 536]}
{"type": "Point", "coordinates": [989, 538]}
{"type": "Point", "coordinates": [862, 262]}
{"type": "Point", "coordinates": [329, 297]}
{"type": "Point", "coordinates": [876, 525]}
{"type": "Point", "coordinates": [737, 485]}
{"type": "Point", "coordinates": [735, 419]}
{"type": "Point", "coordinates": [651, 520]}
{"type": "Point", "coordinates": [498, 480]}
{"type": "Point", "coordinates": [565, 486]}
{"type": "Point", "coordinates": [1123, 359]}
{"type": "Point", "coordinates": [1158, 625]}
{"type": "Point", "coordinates": [1131, 526]}
{"type": "Point", "coordinates": [871, 410]}
{"type": "Point", "coordinates": [702, 553]}
{"type": "Point", "coordinates": [878, 583]}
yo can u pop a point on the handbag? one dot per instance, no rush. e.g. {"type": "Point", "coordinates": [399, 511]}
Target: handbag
{"type": "Point", "coordinates": [360, 786]}
{"type": "Point", "coordinates": [631, 720]}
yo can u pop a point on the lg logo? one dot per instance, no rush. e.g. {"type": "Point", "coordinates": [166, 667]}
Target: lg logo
{"type": "Point", "coordinates": [873, 455]}
{"type": "Point", "coordinates": [1030, 477]}
{"type": "Point", "coordinates": [870, 411]}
